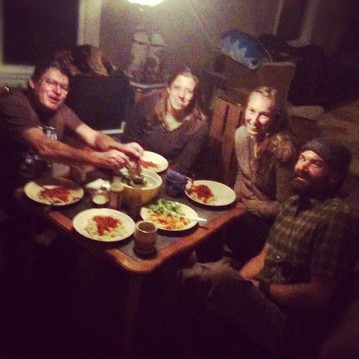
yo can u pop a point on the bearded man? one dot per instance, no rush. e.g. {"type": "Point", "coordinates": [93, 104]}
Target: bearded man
{"type": "Point", "coordinates": [290, 289]}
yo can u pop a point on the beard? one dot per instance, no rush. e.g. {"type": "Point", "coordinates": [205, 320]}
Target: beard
{"type": "Point", "coordinates": [305, 186]}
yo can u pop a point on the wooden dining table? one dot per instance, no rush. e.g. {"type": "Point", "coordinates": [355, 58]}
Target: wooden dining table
{"type": "Point", "coordinates": [169, 246]}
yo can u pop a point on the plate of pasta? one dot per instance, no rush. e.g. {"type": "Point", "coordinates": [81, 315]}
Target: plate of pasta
{"type": "Point", "coordinates": [104, 224]}
{"type": "Point", "coordinates": [153, 161]}
{"type": "Point", "coordinates": [210, 193]}
{"type": "Point", "coordinates": [54, 191]}
{"type": "Point", "coordinates": [169, 215]}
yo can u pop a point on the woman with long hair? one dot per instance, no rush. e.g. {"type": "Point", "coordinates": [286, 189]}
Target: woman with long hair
{"type": "Point", "coordinates": [266, 152]}
{"type": "Point", "coordinates": [171, 122]}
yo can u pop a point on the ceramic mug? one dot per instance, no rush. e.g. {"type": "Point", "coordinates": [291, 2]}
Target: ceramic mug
{"type": "Point", "coordinates": [145, 237]}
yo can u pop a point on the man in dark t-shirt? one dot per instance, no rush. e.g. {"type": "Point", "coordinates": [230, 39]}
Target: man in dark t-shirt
{"type": "Point", "coordinates": [33, 124]}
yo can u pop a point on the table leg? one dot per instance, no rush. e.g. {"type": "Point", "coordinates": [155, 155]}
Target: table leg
{"type": "Point", "coordinates": [131, 306]}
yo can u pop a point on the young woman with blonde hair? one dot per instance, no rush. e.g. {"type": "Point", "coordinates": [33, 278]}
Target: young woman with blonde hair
{"type": "Point", "coordinates": [266, 152]}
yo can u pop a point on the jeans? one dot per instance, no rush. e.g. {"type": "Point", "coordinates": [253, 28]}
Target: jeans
{"type": "Point", "coordinates": [217, 287]}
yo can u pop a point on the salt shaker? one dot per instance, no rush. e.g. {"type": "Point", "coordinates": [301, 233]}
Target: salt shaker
{"type": "Point", "coordinates": [136, 200]}
{"type": "Point", "coordinates": [115, 195]}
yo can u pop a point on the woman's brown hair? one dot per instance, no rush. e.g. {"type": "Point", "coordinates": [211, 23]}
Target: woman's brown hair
{"type": "Point", "coordinates": [195, 106]}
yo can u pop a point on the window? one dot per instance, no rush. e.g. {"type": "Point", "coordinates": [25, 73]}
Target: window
{"type": "Point", "coordinates": [34, 29]}
{"type": "Point", "coordinates": [295, 20]}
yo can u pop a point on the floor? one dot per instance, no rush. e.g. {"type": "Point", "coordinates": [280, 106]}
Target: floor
{"type": "Point", "coordinates": [46, 311]}
{"type": "Point", "coordinates": [50, 312]}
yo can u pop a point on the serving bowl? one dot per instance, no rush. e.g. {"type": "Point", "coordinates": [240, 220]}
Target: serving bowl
{"type": "Point", "coordinates": [146, 192]}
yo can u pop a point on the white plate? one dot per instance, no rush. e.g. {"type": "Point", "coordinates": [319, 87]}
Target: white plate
{"type": "Point", "coordinates": [33, 190]}
{"type": "Point", "coordinates": [159, 161]}
{"type": "Point", "coordinates": [223, 194]}
{"type": "Point", "coordinates": [80, 222]}
{"type": "Point", "coordinates": [187, 211]}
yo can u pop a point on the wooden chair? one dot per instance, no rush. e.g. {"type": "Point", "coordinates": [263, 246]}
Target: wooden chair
{"type": "Point", "coordinates": [217, 160]}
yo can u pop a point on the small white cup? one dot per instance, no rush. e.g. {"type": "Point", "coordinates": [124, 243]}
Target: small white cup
{"type": "Point", "coordinates": [100, 198]}
{"type": "Point", "coordinates": [145, 237]}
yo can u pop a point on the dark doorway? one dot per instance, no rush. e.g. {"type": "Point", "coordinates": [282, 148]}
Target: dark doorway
{"type": "Point", "coordinates": [292, 19]}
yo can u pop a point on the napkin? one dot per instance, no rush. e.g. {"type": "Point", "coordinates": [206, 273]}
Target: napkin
{"type": "Point", "coordinates": [97, 184]}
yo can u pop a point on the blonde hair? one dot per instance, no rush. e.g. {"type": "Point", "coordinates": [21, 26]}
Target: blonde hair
{"type": "Point", "coordinates": [279, 114]}
{"type": "Point", "coordinates": [279, 140]}
{"type": "Point", "coordinates": [266, 91]}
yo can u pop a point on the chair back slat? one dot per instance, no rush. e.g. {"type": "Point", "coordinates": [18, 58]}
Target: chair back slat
{"type": "Point", "coordinates": [220, 112]}
{"type": "Point", "coordinates": [227, 148]}
{"type": "Point", "coordinates": [225, 120]}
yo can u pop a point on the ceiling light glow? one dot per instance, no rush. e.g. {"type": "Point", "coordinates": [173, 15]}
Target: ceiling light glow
{"type": "Point", "coordinates": [146, 2]}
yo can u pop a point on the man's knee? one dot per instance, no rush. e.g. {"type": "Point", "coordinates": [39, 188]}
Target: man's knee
{"type": "Point", "coordinates": [204, 280]}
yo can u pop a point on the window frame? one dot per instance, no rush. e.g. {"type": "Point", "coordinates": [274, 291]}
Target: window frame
{"type": "Point", "coordinates": [88, 32]}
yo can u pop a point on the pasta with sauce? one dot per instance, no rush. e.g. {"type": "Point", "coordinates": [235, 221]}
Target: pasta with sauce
{"type": "Point", "coordinates": [56, 194]}
{"type": "Point", "coordinates": [148, 164]}
{"type": "Point", "coordinates": [106, 228]}
{"type": "Point", "coordinates": [168, 221]}
{"type": "Point", "coordinates": [202, 193]}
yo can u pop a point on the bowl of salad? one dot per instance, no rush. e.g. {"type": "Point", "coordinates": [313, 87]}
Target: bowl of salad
{"type": "Point", "coordinates": [144, 189]}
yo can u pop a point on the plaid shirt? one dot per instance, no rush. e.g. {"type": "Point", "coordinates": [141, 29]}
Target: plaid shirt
{"type": "Point", "coordinates": [311, 237]}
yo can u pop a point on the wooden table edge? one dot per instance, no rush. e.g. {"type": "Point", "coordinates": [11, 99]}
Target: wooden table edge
{"type": "Point", "coordinates": [147, 266]}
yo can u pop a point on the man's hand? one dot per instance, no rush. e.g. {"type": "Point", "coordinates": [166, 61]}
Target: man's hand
{"type": "Point", "coordinates": [105, 143]}
{"type": "Point", "coordinates": [111, 159]}
{"type": "Point", "coordinates": [132, 149]}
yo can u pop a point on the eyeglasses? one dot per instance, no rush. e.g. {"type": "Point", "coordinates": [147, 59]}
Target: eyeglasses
{"type": "Point", "coordinates": [53, 84]}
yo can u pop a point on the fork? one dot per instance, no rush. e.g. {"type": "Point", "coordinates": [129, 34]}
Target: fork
{"type": "Point", "coordinates": [197, 219]}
